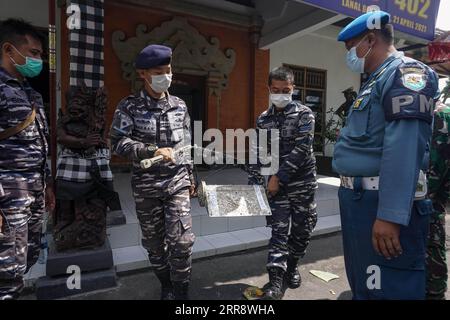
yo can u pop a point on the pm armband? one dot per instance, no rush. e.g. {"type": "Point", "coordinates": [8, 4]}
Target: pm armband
{"type": "Point", "coordinates": [411, 95]}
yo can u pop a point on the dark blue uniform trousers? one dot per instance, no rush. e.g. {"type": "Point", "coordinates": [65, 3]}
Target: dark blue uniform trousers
{"type": "Point", "coordinates": [371, 276]}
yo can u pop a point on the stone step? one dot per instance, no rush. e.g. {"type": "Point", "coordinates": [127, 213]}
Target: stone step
{"type": "Point", "coordinates": [87, 260]}
{"type": "Point", "coordinates": [115, 218]}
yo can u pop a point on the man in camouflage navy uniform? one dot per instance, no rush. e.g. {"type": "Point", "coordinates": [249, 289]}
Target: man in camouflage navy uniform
{"type": "Point", "coordinates": [149, 124]}
{"type": "Point", "coordinates": [291, 191]}
{"type": "Point", "coordinates": [23, 155]}
{"type": "Point", "coordinates": [439, 192]}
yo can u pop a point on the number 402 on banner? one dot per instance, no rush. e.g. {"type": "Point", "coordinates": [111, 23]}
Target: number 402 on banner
{"type": "Point", "coordinates": [415, 7]}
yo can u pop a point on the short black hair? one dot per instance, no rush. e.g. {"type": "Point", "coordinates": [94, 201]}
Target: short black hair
{"type": "Point", "coordinates": [15, 30]}
{"type": "Point", "coordinates": [281, 74]}
{"type": "Point", "coordinates": [387, 33]}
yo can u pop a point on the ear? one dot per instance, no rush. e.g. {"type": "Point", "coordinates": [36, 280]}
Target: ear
{"type": "Point", "coordinates": [7, 48]}
{"type": "Point", "coordinates": [372, 38]}
{"type": "Point", "coordinates": [141, 74]}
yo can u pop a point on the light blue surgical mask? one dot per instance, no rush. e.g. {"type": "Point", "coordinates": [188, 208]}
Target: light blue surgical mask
{"type": "Point", "coordinates": [32, 67]}
{"type": "Point", "coordinates": [355, 63]}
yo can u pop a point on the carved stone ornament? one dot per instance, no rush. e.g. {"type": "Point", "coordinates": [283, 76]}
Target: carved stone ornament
{"type": "Point", "coordinates": [193, 54]}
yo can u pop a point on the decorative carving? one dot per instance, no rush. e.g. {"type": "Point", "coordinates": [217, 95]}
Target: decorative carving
{"type": "Point", "coordinates": [80, 218]}
{"type": "Point", "coordinates": [192, 53]}
{"type": "Point", "coordinates": [85, 113]}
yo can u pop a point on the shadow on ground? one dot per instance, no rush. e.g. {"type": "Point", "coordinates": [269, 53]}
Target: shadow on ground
{"type": "Point", "coordinates": [226, 277]}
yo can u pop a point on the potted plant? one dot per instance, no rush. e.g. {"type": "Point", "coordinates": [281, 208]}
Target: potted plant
{"type": "Point", "coordinates": [332, 128]}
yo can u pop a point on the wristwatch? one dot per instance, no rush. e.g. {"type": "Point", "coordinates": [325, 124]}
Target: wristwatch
{"type": "Point", "coordinates": [151, 149]}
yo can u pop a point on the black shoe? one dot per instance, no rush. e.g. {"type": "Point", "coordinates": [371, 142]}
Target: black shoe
{"type": "Point", "coordinates": [292, 276]}
{"type": "Point", "coordinates": [274, 289]}
{"type": "Point", "coordinates": [181, 290]}
{"type": "Point", "coordinates": [167, 292]}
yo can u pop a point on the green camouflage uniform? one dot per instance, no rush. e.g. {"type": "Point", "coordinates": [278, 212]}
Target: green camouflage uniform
{"type": "Point", "coordinates": [439, 186]}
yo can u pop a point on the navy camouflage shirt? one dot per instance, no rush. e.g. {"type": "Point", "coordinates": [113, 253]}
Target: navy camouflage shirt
{"type": "Point", "coordinates": [23, 157]}
{"type": "Point", "coordinates": [297, 164]}
{"type": "Point", "coordinates": [140, 121]}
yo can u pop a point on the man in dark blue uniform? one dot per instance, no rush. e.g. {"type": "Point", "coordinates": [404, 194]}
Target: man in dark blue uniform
{"type": "Point", "coordinates": [292, 188]}
{"type": "Point", "coordinates": [155, 123]}
{"type": "Point", "coordinates": [381, 156]}
{"type": "Point", "coordinates": [23, 155]}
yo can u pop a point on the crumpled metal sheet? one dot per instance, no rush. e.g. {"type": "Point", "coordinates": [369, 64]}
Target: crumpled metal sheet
{"type": "Point", "coordinates": [236, 201]}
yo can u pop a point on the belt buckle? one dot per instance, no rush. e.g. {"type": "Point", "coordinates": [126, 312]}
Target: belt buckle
{"type": "Point", "coordinates": [347, 182]}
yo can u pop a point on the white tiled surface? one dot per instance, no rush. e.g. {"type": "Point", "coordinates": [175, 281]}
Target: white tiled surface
{"type": "Point", "coordinates": [127, 235]}
{"type": "Point", "coordinates": [251, 238]}
{"type": "Point", "coordinates": [210, 225]}
{"type": "Point", "coordinates": [328, 225]}
{"type": "Point", "coordinates": [241, 223]}
{"type": "Point", "coordinates": [203, 249]}
{"type": "Point", "coordinates": [225, 243]}
{"type": "Point", "coordinates": [130, 258]}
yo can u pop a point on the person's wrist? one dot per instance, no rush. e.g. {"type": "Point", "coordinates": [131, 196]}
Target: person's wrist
{"type": "Point", "coordinates": [151, 149]}
{"type": "Point", "coordinates": [148, 151]}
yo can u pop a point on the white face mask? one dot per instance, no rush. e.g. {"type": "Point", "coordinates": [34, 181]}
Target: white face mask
{"type": "Point", "coordinates": [160, 83]}
{"type": "Point", "coordinates": [281, 100]}
{"type": "Point", "coordinates": [355, 63]}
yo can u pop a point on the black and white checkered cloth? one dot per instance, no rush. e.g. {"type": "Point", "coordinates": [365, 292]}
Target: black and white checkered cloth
{"type": "Point", "coordinates": [77, 168]}
{"type": "Point", "coordinates": [86, 45]}
{"type": "Point", "coordinates": [86, 65]}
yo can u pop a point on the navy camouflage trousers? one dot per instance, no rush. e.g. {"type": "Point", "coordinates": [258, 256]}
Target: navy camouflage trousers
{"type": "Point", "coordinates": [166, 225]}
{"type": "Point", "coordinates": [295, 209]}
{"type": "Point", "coordinates": [20, 238]}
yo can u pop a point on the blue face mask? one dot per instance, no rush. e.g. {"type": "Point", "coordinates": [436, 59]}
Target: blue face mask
{"type": "Point", "coordinates": [32, 67]}
{"type": "Point", "coordinates": [355, 63]}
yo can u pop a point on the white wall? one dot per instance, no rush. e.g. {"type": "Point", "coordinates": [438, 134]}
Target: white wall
{"type": "Point", "coordinates": [36, 13]}
{"type": "Point", "coordinates": [33, 11]}
{"type": "Point", "coordinates": [320, 50]}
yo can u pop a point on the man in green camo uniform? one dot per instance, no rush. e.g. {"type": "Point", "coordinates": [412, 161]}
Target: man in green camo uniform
{"type": "Point", "coordinates": [439, 186]}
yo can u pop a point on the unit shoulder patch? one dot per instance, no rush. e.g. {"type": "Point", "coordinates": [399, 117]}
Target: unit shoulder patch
{"type": "Point", "coordinates": [414, 78]}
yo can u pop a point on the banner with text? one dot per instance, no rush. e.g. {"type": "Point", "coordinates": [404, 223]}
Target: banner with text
{"type": "Point", "coordinates": [414, 17]}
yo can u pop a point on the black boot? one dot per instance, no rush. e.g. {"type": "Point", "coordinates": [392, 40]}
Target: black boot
{"type": "Point", "coordinates": [274, 289]}
{"type": "Point", "coordinates": [181, 290]}
{"type": "Point", "coordinates": [292, 276]}
{"type": "Point", "coordinates": [167, 291]}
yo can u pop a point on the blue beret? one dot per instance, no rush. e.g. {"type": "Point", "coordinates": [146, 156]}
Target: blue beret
{"type": "Point", "coordinates": [360, 25]}
{"type": "Point", "coordinates": [153, 56]}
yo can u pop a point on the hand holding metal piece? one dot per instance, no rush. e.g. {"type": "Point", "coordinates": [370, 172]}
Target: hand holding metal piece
{"type": "Point", "coordinates": [148, 163]}
{"type": "Point", "coordinates": [166, 153]}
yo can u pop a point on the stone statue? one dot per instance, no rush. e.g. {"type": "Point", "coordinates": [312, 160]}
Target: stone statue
{"type": "Point", "coordinates": [84, 188]}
